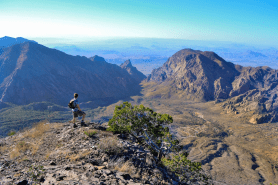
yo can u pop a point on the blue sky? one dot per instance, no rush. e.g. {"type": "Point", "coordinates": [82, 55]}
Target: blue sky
{"type": "Point", "coordinates": [244, 21]}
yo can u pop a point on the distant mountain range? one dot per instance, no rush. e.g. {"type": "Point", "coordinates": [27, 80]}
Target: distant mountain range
{"type": "Point", "coordinates": [30, 72]}
{"type": "Point", "coordinates": [204, 76]}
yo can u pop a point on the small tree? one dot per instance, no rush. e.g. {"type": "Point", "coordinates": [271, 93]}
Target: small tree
{"type": "Point", "coordinates": [145, 125]}
{"type": "Point", "coordinates": [180, 165]}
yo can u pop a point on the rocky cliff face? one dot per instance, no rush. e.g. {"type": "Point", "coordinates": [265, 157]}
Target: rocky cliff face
{"type": "Point", "coordinates": [205, 76]}
{"type": "Point", "coordinates": [34, 73]}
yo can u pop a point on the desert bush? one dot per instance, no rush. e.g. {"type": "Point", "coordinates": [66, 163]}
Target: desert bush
{"type": "Point", "coordinates": [110, 145]}
{"type": "Point", "coordinates": [90, 133]}
{"type": "Point", "coordinates": [145, 125]}
{"type": "Point", "coordinates": [180, 165]}
{"type": "Point", "coordinates": [36, 172]}
{"type": "Point", "coordinates": [11, 133]}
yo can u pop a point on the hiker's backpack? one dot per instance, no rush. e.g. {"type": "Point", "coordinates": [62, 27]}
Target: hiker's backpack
{"type": "Point", "coordinates": [71, 104]}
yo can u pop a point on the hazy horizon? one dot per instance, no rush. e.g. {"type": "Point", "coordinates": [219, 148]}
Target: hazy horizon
{"type": "Point", "coordinates": [248, 22]}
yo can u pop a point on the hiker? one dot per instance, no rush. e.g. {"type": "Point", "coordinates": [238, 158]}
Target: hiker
{"type": "Point", "coordinates": [76, 111]}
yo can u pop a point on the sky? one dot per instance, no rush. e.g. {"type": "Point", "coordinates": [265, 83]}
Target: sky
{"type": "Point", "coordinates": [243, 21]}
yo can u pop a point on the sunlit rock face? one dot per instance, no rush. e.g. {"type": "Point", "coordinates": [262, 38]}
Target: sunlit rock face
{"type": "Point", "coordinates": [204, 76]}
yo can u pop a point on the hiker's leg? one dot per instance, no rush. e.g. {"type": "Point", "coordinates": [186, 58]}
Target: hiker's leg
{"type": "Point", "coordinates": [83, 116]}
{"type": "Point", "coordinates": [73, 120]}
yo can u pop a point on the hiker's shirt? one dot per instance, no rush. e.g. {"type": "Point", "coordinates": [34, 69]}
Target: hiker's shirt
{"type": "Point", "coordinates": [75, 103]}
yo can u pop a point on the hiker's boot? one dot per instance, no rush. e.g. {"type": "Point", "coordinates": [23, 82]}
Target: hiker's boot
{"type": "Point", "coordinates": [83, 124]}
{"type": "Point", "coordinates": [74, 125]}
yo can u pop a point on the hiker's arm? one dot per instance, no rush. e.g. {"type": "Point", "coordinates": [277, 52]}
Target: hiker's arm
{"type": "Point", "coordinates": [78, 107]}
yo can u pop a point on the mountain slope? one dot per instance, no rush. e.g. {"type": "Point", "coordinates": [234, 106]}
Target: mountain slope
{"type": "Point", "coordinates": [204, 76]}
{"type": "Point", "coordinates": [30, 72]}
{"type": "Point", "coordinates": [193, 72]}
{"type": "Point", "coordinates": [81, 155]}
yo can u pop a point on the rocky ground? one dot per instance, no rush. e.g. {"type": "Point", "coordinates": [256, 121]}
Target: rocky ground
{"type": "Point", "coordinates": [59, 153]}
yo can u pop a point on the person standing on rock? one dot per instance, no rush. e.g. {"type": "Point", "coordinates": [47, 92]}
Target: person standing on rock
{"type": "Point", "coordinates": [76, 111]}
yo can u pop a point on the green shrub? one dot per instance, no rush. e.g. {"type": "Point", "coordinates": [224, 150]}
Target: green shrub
{"type": "Point", "coordinates": [179, 165]}
{"type": "Point", "coordinates": [36, 172]}
{"type": "Point", "coordinates": [145, 125]}
{"type": "Point", "coordinates": [90, 133]}
{"type": "Point", "coordinates": [11, 133]}
{"type": "Point", "coordinates": [179, 162]}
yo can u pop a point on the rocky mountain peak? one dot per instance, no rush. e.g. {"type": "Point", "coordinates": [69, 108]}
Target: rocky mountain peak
{"type": "Point", "coordinates": [137, 75]}
{"type": "Point", "coordinates": [97, 58]}
{"type": "Point", "coordinates": [126, 64]}
{"type": "Point", "coordinates": [9, 41]}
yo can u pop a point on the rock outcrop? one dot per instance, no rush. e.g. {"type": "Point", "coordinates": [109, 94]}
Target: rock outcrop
{"type": "Point", "coordinates": [204, 76]}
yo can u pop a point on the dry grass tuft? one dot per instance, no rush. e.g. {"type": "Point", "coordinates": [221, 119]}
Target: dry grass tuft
{"type": "Point", "coordinates": [126, 167]}
{"type": "Point", "coordinates": [17, 175]}
{"type": "Point", "coordinates": [23, 146]}
{"type": "Point", "coordinates": [47, 155]}
{"type": "Point", "coordinates": [20, 147]}
{"type": "Point", "coordinates": [105, 134]}
{"type": "Point", "coordinates": [90, 132]}
{"type": "Point", "coordinates": [76, 157]}
{"type": "Point", "coordinates": [3, 149]}
{"type": "Point", "coordinates": [56, 125]}
{"type": "Point", "coordinates": [59, 145]}
{"type": "Point", "coordinates": [110, 145]}
{"type": "Point", "coordinates": [24, 158]}
{"type": "Point", "coordinates": [58, 153]}
{"type": "Point", "coordinates": [35, 147]}
{"type": "Point", "coordinates": [38, 130]}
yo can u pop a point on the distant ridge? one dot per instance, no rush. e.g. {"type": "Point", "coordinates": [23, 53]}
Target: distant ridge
{"type": "Point", "coordinates": [9, 41]}
{"type": "Point", "coordinates": [204, 76]}
{"type": "Point", "coordinates": [252, 54]}
{"type": "Point", "coordinates": [31, 72]}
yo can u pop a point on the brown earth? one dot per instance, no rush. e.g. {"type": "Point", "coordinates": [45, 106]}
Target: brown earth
{"type": "Point", "coordinates": [231, 149]}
